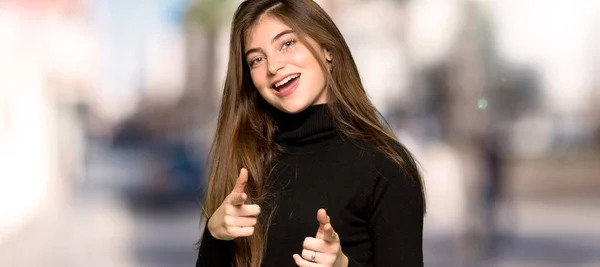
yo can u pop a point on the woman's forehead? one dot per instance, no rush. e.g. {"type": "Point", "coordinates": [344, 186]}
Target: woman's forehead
{"type": "Point", "coordinates": [264, 29]}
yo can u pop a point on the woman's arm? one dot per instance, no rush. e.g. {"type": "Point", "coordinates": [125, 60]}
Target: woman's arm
{"type": "Point", "coordinates": [396, 218]}
{"type": "Point", "coordinates": [214, 252]}
{"type": "Point", "coordinates": [231, 220]}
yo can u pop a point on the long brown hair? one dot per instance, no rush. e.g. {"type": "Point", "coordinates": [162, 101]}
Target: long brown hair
{"type": "Point", "coordinates": [245, 130]}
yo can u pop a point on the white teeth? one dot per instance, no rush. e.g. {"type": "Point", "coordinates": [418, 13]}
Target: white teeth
{"type": "Point", "coordinates": [287, 79]}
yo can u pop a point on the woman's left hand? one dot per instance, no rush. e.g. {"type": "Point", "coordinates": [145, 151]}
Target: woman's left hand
{"type": "Point", "coordinates": [324, 250]}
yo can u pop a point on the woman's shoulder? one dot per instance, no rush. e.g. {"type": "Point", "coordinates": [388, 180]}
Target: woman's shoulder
{"type": "Point", "coordinates": [395, 174]}
{"type": "Point", "coordinates": [372, 149]}
{"type": "Point", "coordinates": [397, 161]}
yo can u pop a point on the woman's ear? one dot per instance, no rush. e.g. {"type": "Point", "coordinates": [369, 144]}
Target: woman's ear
{"type": "Point", "coordinates": [327, 55]}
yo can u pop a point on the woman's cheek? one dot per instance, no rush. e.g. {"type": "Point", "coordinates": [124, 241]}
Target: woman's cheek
{"type": "Point", "coordinates": [300, 57]}
{"type": "Point", "coordinates": [258, 79]}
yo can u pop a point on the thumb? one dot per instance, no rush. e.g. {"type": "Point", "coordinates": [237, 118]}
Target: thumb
{"type": "Point", "coordinates": [240, 183]}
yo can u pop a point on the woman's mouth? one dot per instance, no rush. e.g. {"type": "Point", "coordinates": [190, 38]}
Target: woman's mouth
{"type": "Point", "coordinates": [286, 86]}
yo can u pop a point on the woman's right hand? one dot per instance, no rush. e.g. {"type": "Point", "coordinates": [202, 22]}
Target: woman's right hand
{"type": "Point", "coordinates": [234, 218]}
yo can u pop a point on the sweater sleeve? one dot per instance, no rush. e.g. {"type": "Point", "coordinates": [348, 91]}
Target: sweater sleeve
{"type": "Point", "coordinates": [396, 218]}
{"type": "Point", "coordinates": [214, 252]}
{"type": "Point", "coordinates": [353, 263]}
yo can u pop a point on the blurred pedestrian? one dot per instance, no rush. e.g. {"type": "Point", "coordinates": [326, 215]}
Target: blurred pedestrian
{"type": "Point", "coordinates": [493, 188]}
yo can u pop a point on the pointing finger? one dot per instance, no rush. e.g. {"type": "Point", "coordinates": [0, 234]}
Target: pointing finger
{"type": "Point", "coordinates": [322, 217]}
{"type": "Point", "coordinates": [325, 231]}
{"type": "Point", "coordinates": [237, 198]}
{"type": "Point", "coordinates": [329, 234]}
{"type": "Point", "coordinates": [240, 183]}
{"type": "Point", "coordinates": [323, 220]}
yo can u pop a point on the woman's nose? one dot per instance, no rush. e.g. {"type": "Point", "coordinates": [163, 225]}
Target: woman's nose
{"type": "Point", "coordinates": [275, 64]}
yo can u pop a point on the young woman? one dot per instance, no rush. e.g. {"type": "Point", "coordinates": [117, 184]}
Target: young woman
{"type": "Point", "coordinates": [304, 172]}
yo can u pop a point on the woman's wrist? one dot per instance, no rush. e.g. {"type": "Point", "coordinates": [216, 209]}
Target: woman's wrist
{"type": "Point", "coordinates": [211, 228]}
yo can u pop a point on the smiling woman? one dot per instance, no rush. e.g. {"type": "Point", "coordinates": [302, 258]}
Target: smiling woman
{"type": "Point", "coordinates": [304, 171]}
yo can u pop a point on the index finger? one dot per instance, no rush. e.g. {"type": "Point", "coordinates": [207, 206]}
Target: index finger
{"type": "Point", "coordinates": [237, 199]}
{"type": "Point", "coordinates": [322, 217]}
{"type": "Point", "coordinates": [240, 183]}
{"type": "Point", "coordinates": [325, 231]}
{"type": "Point", "coordinates": [329, 234]}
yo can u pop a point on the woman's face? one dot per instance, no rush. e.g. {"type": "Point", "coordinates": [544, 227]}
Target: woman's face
{"type": "Point", "coordinates": [283, 69]}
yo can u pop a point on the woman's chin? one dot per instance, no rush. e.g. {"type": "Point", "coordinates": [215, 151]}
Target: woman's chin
{"type": "Point", "coordinates": [292, 107]}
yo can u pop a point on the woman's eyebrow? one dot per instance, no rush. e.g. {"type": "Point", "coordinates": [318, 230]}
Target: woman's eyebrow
{"type": "Point", "coordinates": [279, 35]}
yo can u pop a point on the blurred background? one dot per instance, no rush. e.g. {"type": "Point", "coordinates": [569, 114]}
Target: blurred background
{"type": "Point", "coordinates": [108, 107]}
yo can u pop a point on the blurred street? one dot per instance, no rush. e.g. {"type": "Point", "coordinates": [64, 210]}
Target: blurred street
{"type": "Point", "coordinates": [97, 227]}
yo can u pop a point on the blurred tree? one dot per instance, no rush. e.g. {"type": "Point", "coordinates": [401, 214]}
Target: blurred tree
{"type": "Point", "coordinates": [210, 14]}
{"type": "Point", "coordinates": [204, 20]}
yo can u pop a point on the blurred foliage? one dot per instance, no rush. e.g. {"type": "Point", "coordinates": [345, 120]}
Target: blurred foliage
{"type": "Point", "coordinates": [210, 14]}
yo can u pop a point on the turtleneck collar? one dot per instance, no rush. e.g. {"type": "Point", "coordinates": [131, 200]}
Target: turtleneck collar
{"type": "Point", "coordinates": [309, 127]}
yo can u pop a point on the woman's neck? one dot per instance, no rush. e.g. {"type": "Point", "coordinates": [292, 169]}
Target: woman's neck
{"type": "Point", "coordinates": [311, 125]}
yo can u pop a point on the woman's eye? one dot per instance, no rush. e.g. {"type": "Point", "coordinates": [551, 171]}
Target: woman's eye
{"type": "Point", "coordinates": [256, 61]}
{"type": "Point", "coordinates": [288, 43]}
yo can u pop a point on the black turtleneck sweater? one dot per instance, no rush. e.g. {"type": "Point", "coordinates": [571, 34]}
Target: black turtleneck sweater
{"type": "Point", "coordinates": [376, 210]}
